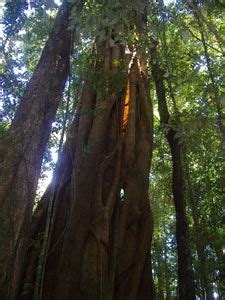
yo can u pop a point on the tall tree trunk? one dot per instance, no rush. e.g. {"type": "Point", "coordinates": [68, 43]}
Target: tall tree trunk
{"type": "Point", "coordinates": [22, 150]}
{"type": "Point", "coordinates": [204, 275]}
{"type": "Point", "coordinates": [185, 274]}
{"type": "Point", "coordinates": [101, 233]}
{"type": "Point", "coordinates": [199, 240]}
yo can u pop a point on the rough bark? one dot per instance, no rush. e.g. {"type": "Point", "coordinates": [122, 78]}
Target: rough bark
{"type": "Point", "coordinates": [30, 283]}
{"type": "Point", "coordinates": [101, 234]}
{"type": "Point", "coordinates": [186, 287]}
{"type": "Point", "coordinates": [22, 150]}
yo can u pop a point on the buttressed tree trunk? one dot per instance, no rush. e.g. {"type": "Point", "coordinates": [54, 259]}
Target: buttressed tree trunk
{"type": "Point", "coordinates": [101, 234]}
{"type": "Point", "coordinates": [186, 286]}
{"type": "Point", "coordinates": [22, 150]}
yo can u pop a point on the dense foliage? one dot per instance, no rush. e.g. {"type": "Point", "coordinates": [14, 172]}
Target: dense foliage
{"type": "Point", "coordinates": [190, 39]}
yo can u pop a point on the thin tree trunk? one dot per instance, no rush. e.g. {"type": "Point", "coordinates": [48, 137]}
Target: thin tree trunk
{"type": "Point", "coordinates": [185, 274]}
{"type": "Point", "coordinates": [167, 276]}
{"type": "Point", "coordinates": [205, 284]}
{"type": "Point", "coordinates": [204, 275]}
{"type": "Point", "coordinates": [65, 116]}
{"type": "Point", "coordinates": [160, 276]}
{"type": "Point", "coordinates": [23, 148]}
